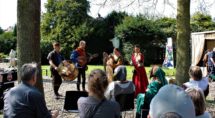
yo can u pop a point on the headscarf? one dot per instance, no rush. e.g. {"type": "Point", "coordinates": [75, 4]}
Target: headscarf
{"type": "Point", "coordinates": [160, 74]}
{"type": "Point", "coordinates": [120, 73]}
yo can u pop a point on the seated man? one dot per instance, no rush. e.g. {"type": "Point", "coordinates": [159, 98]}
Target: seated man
{"type": "Point", "coordinates": [196, 80]}
{"type": "Point", "coordinates": [24, 100]}
{"type": "Point", "coordinates": [171, 102]}
{"type": "Point", "coordinates": [122, 86]}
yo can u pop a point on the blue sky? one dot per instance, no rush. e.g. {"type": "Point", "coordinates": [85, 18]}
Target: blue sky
{"type": "Point", "coordinates": [8, 8]}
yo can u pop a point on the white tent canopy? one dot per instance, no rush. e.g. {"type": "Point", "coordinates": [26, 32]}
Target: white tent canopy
{"type": "Point", "coordinates": [199, 41]}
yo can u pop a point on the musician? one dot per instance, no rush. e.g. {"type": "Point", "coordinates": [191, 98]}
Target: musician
{"type": "Point", "coordinates": [118, 59]}
{"type": "Point", "coordinates": [79, 58]}
{"type": "Point", "coordinates": [55, 58]}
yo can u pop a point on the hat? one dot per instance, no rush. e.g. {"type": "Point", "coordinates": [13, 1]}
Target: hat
{"type": "Point", "coordinates": [172, 98]}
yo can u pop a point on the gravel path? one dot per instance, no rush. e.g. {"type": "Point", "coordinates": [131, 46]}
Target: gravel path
{"type": "Point", "coordinates": [58, 104]}
{"type": "Point", "coordinates": [71, 85]}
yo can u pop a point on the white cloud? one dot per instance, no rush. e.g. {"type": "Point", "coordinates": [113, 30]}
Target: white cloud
{"type": "Point", "coordinates": [7, 13]}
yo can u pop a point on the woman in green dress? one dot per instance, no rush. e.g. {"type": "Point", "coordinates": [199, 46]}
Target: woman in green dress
{"type": "Point", "coordinates": [158, 80]}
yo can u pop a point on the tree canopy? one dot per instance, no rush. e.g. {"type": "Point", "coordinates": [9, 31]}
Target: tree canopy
{"type": "Point", "coordinates": [140, 30]}
{"type": "Point", "coordinates": [201, 22]}
{"type": "Point", "coordinates": [65, 21]}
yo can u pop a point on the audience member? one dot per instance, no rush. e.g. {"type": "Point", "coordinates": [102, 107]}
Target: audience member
{"type": "Point", "coordinates": [159, 80]}
{"type": "Point", "coordinates": [96, 106]}
{"type": "Point", "coordinates": [206, 61]}
{"type": "Point", "coordinates": [198, 98]}
{"type": "Point", "coordinates": [211, 62]}
{"type": "Point", "coordinates": [211, 57]}
{"type": "Point", "coordinates": [171, 102]}
{"type": "Point", "coordinates": [196, 80]}
{"type": "Point", "coordinates": [122, 86]}
{"type": "Point", "coordinates": [24, 100]}
{"type": "Point", "coordinates": [172, 81]}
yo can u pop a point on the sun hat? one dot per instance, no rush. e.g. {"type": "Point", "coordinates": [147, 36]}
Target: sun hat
{"type": "Point", "coordinates": [172, 98]}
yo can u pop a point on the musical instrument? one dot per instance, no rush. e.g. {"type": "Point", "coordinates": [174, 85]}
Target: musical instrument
{"type": "Point", "coordinates": [67, 71]}
{"type": "Point", "coordinates": [83, 60]}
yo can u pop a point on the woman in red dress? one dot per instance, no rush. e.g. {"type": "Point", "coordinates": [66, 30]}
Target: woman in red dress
{"type": "Point", "coordinates": [140, 79]}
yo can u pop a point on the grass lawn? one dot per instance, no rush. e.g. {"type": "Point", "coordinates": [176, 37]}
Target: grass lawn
{"type": "Point", "coordinates": [169, 72]}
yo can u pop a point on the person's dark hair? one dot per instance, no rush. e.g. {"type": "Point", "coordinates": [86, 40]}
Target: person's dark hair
{"type": "Point", "coordinates": [137, 45]}
{"type": "Point", "coordinates": [195, 72]}
{"type": "Point", "coordinates": [117, 49]}
{"type": "Point", "coordinates": [97, 82]}
{"type": "Point", "coordinates": [56, 44]}
{"type": "Point", "coordinates": [27, 71]}
{"type": "Point", "coordinates": [170, 115]}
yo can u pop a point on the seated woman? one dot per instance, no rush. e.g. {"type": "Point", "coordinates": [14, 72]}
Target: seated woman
{"type": "Point", "coordinates": [96, 106]}
{"type": "Point", "coordinates": [198, 98]}
{"type": "Point", "coordinates": [159, 80]}
{"type": "Point", "coordinates": [196, 80]}
{"type": "Point", "coordinates": [122, 86]}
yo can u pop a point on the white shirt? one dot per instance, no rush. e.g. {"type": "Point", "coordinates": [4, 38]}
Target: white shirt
{"type": "Point", "coordinates": [202, 84]}
{"type": "Point", "coordinates": [125, 88]}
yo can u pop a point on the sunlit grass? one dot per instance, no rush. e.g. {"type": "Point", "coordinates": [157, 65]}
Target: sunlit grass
{"type": "Point", "coordinates": [169, 72]}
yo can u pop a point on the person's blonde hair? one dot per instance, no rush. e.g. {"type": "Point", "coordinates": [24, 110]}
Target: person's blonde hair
{"type": "Point", "coordinates": [198, 98]}
{"type": "Point", "coordinates": [195, 72]}
{"type": "Point", "coordinates": [97, 82]}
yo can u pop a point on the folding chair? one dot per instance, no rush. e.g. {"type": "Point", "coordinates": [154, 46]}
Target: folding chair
{"type": "Point", "coordinates": [70, 102]}
{"type": "Point", "coordinates": [126, 102]}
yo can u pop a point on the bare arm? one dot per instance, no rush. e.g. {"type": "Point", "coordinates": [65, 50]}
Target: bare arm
{"type": "Point", "coordinates": [212, 60]}
{"type": "Point", "coordinates": [52, 64]}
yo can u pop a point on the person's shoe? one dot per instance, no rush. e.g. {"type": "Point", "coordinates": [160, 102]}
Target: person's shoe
{"type": "Point", "coordinates": [84, 89]}
{"type": "Point", "coordinates": [78, 88]}
{"type": "Point", "coordinates": [57, 97]}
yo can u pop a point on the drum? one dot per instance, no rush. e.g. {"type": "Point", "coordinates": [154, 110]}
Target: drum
{"type": "Point", "coordinates": [67, 71]}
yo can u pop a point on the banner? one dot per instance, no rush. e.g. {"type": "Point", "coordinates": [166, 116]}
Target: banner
{"type": "Point", "coordinates": [168, 61]}
{"type": "Point", "coordinates": [115, 42]}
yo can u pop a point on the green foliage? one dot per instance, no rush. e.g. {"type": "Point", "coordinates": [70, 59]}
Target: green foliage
{"type": "Point", "coordinates": [103, 30]}
{"type": "Point", "coordinates": [2, 55]}
{"type": "Point", "coordinates": [7, 42]}
{"type": "Point", "coordinates": [15, 31]}
{"type": "Point", "coordinates": [167, 25]}
{"type": "Point", "coordinates": [1, 30]}
{"type": "Point", "coordinates": [140, 30]}
{"type": "Point", "coordinates": [46, 47]}
{"type": "Point", "coordinates": [66, 21]}
{"type": "Point", "coordinates": [201, 22]}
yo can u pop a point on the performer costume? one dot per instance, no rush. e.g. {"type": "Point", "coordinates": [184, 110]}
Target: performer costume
{"type": "Point", "coordinates": [140, 79]}
{"type": "Point", "coordinates": [79, 52]}
{"type": "Point", "coordinates": [143, 100]}
{"type": "Point", "coordinates": [56, 58]}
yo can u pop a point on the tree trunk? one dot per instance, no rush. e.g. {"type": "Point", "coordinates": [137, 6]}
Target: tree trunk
{"type": "Point", "coordinates": [28, 35]}
{"type": "Point", "coordinates": [183, 57]}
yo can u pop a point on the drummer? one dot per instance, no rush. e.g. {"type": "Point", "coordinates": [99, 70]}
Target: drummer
{"type": "Point", "coordinates": [55, 58]}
